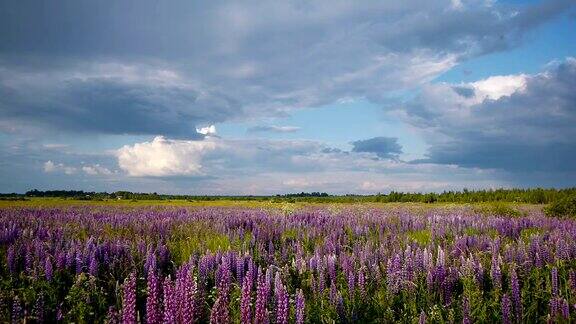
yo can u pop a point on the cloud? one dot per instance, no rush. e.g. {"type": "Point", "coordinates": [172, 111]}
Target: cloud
{"type": "Point", "coordinates": [496, 87]}
{"type": "Point", "coordinates": [96, 169]}
{"type": "Point", "coordinates": [108, 98]}
{"type": "Point", "coordinates": [518, 123]}
{"type": "Point", "coordinates": [383, 147]}
{"type": "Point", "coordinates": [163, 157]}
{"type": "Point", "coordinates": [159, 69]}
{"type": "Point", "coordinates": [247, 166]}
{"type": "Point", "coordinates": [55, 146]}
{"type": "Point", "coordinates": [280, 166]}
{"type": "Point", "coordinates": [208, 130]}
{"type": "Point", "coordinates": [273, 129]}
{"type": "Point", "coordinates": [51, 167]}
{"type": "Point", "coordinates": [91, 169]}
{"type": "Point", "coordinates": [232, 166]}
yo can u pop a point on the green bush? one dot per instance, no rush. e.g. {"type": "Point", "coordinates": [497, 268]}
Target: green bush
{"type": "Point", "coordinates": [498, 209]}
{"type": "Point", "coordinates": [564, 208]}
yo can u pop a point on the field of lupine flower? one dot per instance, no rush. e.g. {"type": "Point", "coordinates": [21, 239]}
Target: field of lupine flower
{"type": "Point", "coordinates": [359, 263]}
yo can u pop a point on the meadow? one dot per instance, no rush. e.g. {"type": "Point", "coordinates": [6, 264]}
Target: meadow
{"type": "Point", "coordinates": [260, 262]}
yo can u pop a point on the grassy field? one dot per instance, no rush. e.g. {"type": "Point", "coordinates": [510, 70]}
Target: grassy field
{"type": "Point", "coordinates": [39, 202]}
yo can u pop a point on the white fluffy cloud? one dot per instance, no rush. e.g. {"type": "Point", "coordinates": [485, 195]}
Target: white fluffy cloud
{"type": "Point", "coordinates": [207, 130]}
{"type": "Point", "coordinates": [164, 157]}
{"type": "Point", "coordinates": [497, 87]}
{"type": "Point", "coordinates": [88, 169]}
{"type": "Point", "coordinates": [51, 167]}
{"type": "Point", "coordinates": [96, 169]}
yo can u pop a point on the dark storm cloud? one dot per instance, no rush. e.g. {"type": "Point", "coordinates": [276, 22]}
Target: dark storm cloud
{"type": "Point", "coordinates": [531, 129]}
{"type": "Point", "coordinates": [233, 60]}
{"type": "Point", "coordinates": [102, 100]}
{"type": "Point", "coordinates": [383, 147]}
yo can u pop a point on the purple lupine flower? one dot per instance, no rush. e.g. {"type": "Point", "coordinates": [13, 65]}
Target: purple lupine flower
{"type": "Point", "coordinates": [70, 258]}
{"type": "Point", "coordinates": [28, 260]}
{"type": "Point", "coordinates": [321, 282]}
{"type": "Point", "coordinates": [430, 280]}
{"type": "Point", "coordinates": [572, 280]}
{"type": "Point", "coordinates": [351, 283]}
{"type": "Point", "coordinates": [394, 272]}
{"type": "Point", "coordinates": [268, 283]}
{"type": "Point", "coordinates": [220, 312]}
{"type": "Point", "coordinates": [170, 303]}
{"type": "Point", "coordinates": [261, 313]}
{"type": "Point", "coordinates": [495, 272]}
{"type": "Point", "coordinates": [554, 274]}
{"type": "Point", "coordinates": [16, 310]}
{"type": "Point", "coordinates": [331, 266]}
{"type": "Point", "coordinates": [361, 283]}
{"type": "Point", "coordinates": [150, 264]}
{"type": "Point", "coordinates": [282, 306]}
{"type": "Point", "coordinates": [300, 304]}
{"type": "Point", "coordinates": [153, 299]}
{"type": "Point", "coordinates": [506, 309]}
{"type": "Point", "coordinates": [38, 310]}
{"type": "Point", "coordinates": [48, 271]}
{"type": "Point", "coordinates": [59, 313]}
{"type": "Point", "coordinates": [11, 259]}
{"type": "Point", "coordinates": [340, 306]}
{"type": "Point", "coordinates": [565, 309]}
{"type": "Point", "coordinates": [333, 293]}
{"type": "Point", "coordinates": [466, 311]}
{"type": "Point", "coordinates": [112, 317]}
{"type": "Point", "coordinates": [225, 277]}
{"type": "Point", "coordinates": [93, 266]}
{"type": "Point", "coordinates": [422, 318]}
{"type": "Point", "coordinates": [516, 300]}
{"type": "Point", "coordinates": [188, 298]}
{"type": "Point", "coordinates": [240, 270]}
{"type": "Point", "coordinates": [61, 261]}
{"type": "Point", "coordinates": [79, 262]}
{"type": "Point", "coordinates": [246, 299]}
{"type": "Point", "coordinates": [129, 300]}
{"type": "Point", "coordinates": [554, 306]}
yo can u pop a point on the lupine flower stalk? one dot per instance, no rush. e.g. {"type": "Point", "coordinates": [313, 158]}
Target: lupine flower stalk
{"type": "Point", "coordinates": [516, 299]}
{"type": "Point", "coordinates": [153, 311]}
{"type": "Point", "coordinates": [129, 300]}
{"type": "Point", "coordinates": [506, 305]}
{"type": "Point", "coordinates": [246, 299]}
{"type": "Point", "coordinates": [300, 307]}
{"type": "Point", "coordinates": [261, 313]}
{"type": "Point", "coordinates": [282, 305]}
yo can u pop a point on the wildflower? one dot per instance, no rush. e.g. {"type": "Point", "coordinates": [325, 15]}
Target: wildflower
{"type": "Point", "coordinates": [300, 307]}
{"type": "Point", "coordinates": [48, 272]}
{"type": "Point", "coordinates": [516, 300]}
{"type": "Point", "coordinates": [554, 274]}
{"type": "Point", "coordinates": [129, 300]}
{"type": "Point", "coordinates": [153, 299]}
{"type": "Point", "coordinates": [246, 299]}
{"type": "Point", "coordinates": [506, 309]}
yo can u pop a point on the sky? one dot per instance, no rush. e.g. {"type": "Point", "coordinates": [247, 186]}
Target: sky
{"type": "Point", "coordinates": [272, 97]}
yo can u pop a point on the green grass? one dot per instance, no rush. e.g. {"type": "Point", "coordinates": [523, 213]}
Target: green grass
{"type": "Point", "coordinates": [422, 237]}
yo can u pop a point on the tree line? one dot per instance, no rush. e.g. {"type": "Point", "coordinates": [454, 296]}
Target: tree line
{"type": "Point", "coordinates": [533, 196]}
